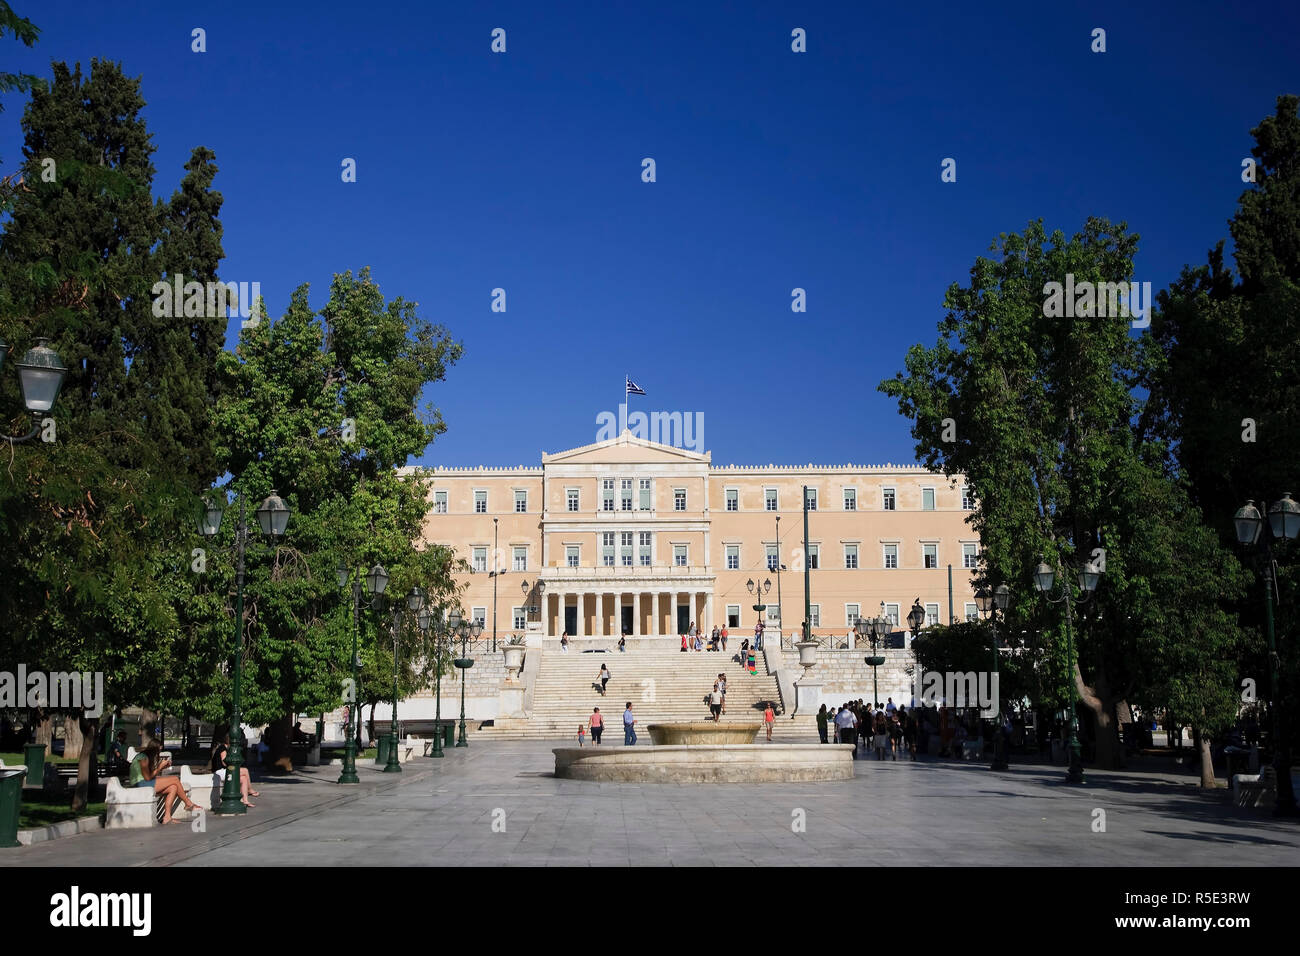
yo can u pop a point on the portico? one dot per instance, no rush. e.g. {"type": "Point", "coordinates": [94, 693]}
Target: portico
{"type": "Point", "coordinates": [641, 602]}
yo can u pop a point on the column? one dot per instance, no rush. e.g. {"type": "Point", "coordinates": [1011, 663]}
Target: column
{"type": "Point", "coordinates": [600, 609]}
{"type": "Point", "coordinates": [708, 611]}
{"type": "Point", "coordinates": [659, 613]}
{"type": "Point", "coordinates": [560, 598]}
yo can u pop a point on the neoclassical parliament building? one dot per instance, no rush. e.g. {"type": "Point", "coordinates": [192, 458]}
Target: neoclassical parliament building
{"type": "Point", "coordinates": [629, 536]}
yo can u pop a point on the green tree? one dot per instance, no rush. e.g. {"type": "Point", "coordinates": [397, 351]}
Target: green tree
{"type": "Point", "coordinates": [89, 550]}
{"type": "Point", "coordinates": [322, 408]}
{"type": "Point", "coordinates": [1043, 410]}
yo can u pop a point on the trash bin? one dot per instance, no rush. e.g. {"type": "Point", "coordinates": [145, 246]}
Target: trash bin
{"type": "Point", "coordinates": [385, 741]}
{"type": "Point", "coordinates": [34, 755]}
{"type": "Point", "coordinates": [449, 734]}
{"type": "Point", "coordinates": [11, 800]}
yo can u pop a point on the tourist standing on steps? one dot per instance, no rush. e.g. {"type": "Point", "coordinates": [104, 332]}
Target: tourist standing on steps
{"type": "Point", "coordinates": [564, 642]}
{"type": "Point", "coordinates": [597, 723]}
{"type": "Point", "coordinates": [683, 643]}
{"type": "Point", "coordinates": [822, 721]}
{"type": "Point", "coordinates": [715, 702]}
{"type": "Point", "coordinates": [723, 638]}
{"type": "Point", "coordinates": [629, 726]}
{"type": "Point", "coordinates": [604, 679]}
{"type": "Point", "coordinates": [622, 645]}
{"type": "Point", "coordinates": [722, 686]}
{"type": "Point", "coordinates": [769, 718]}
{"type": "Point", "coordinates": [714, 637]}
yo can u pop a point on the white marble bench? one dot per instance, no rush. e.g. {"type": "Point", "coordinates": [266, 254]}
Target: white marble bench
{"type": "Point", "coordinates": [128, 807]}
{"type": "Point", "coordinates": [1255, 789]}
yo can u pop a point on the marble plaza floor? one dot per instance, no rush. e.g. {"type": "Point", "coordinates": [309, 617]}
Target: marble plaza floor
{"type": "Point", "coordinates": [495, 803]}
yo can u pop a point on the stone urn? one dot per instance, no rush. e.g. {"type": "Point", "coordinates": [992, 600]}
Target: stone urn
{"type": "Point", "coordinates": [514, 654]}
{"type": "Point", "coordinates": [807, 655]}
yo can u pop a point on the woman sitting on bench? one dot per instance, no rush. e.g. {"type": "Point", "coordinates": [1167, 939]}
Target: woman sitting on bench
{"type": "Point", "coordinates": [146, 771]}
{"type": "Point", "coordinates": [219, 766]}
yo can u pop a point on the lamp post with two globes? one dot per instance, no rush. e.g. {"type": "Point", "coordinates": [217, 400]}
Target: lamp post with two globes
{"type": "Point", "coordinates": [989, 604]}
{"type": "Point", "coordinates": [1044, 578]}
{"type": "Point", "coordinates": [273, 517]}
{"type": "Point", "coordinates": [376, 581]}
{"type": "Point", "coordinates": [465, 629]}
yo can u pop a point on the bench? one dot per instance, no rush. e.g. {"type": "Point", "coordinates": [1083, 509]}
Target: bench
{"type": "Point", "coordinates": [136, 807]}
{"type": "Point", "coordinates": [1255, 789]}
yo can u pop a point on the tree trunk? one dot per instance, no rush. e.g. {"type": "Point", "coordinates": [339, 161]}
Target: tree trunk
{"type": "Point", "coordinates": [280, 755]}
{"type": "Point", "coordinates": [73, 741]}
{"type": "Point", "coordinates": [87, 776]}
{"type": "Point", "coordinates": [1207, 762]}
{"type": "Point", "coordinates": [1109, 752]}
{"type": "Point", "coordinates": [43, 722]}
{"type": "Point", "coordinates": [148, 720]}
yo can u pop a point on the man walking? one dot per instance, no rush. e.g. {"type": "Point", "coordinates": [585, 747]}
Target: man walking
{"type": "Point", "coordinates": [629, 726]}
{"type": "Point", "coordinates": [847, 725]}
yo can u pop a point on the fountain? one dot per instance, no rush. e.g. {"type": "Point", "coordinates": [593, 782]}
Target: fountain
{"type": "Point", "coordinates": [706, 752]}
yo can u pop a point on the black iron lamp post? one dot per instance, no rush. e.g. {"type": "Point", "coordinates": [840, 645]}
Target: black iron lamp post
{"type": "Point", "coordinates": [376, 579]}
{"type": "Point", "coordinates": [466, 630]}
{"type": "Point", "coordinates": [273, 517]}
{"type": "Point", "coordinates": [414, 603]}
{"type": "Point", "coordinates": [873, 629]}
{"type": "Point", "coordinates": [1044, 578]}
{"type": "Point", "coordinates": [40, 376]}
{"type": "Point", "coordinates": [989, 604]}
{"type": "Point", "coordinates": [1284, 525]}
{"type": "Point", "coordinates": [758, 590]}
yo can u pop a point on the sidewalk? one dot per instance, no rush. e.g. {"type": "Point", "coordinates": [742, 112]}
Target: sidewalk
{"type": "Point", "coordinates": [284, 799]}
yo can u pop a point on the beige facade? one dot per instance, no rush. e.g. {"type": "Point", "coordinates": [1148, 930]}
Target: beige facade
{"type": "Point", "coordinates": [634, 536]}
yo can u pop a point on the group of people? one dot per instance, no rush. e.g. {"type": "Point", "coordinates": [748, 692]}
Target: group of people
{"type": "Point", "coordinates": [887, 730]}
{"type": "Point", "coordinates": [148, 769]}
{"type": "Point", "coordinates": [596, 724]}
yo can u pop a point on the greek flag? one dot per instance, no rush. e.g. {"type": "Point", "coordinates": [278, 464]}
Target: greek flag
{"type": "Point", "coordinates": [633, 388]}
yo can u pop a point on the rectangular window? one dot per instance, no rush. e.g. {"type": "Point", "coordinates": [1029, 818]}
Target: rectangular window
{"type": "Point", "coordinates": [521, 502]}
{"type": "Point", "coordinates": [969, 556]}
{"type": "Point", "coordinates": [930, 555]}
{"type": "Point", "coordinates": [645, 548]}
{"type": "Point", "coordinates": [891, 614]}
{"type": "Point", "coordinates": [480, 502]}
{"type": "Point", "coordinates": [733, 615]}
{"type": "Point", "coordinates": [646, 498]}
{"type": "Point", "coordinates": [679, 499]}
{"type": "Point", "coordinates": [851, 614]}
{"type": "Point", "coordinates": [733, 499]}
{"type": "Point", "coordinates": [851, 557]}
{"type": "Point", "coordinates": [967, 502]}
{"type": "Point", "coordinates": [891, 556]}
{"type": "Point", "coordinates": [733, 557]}
{"type": "Point", "coordinates": [480, 559]}
{"type": "Point", "coordinates": [520, 559]}
{"type": "Point", "coordinates": [517, 614]}
{"type": "Point", "coordinates": [815, 615]}
{"type": "Point", "coordinates": [440, 502]}
{"type": "Point", "coordinates": [772, 556]}
{"type": "Point", "coordinates": [814, 553]}
{"type": "Point", "coordinates": [812, 499]}
{"type": "Point", "coordinates": [572, 554]}
{"type": "Point", "coordinates": [626, 496]}
{"type": "Point", "coordinates": [888, 500]}
{"type": "Point", "coordinates": [679, 555]}
{"type": "Point", "coordinates": [972, 612]}
{"type": "Point", "coordinates": [927, 499]}
{"type": "Point", "coordinates": [625, 548]}
{"type": "Point", "coordinates": [479, 616]}
{"type": "Point", "coordinates": [607, 548]}
{"type": "Point", "coordinates": [607, 494]}
{"type": "Point", "coordinates": [850, 499]}
{"type": "Point", "coordinates": [774, 614]}
{"type": "Point", "coordinates": [573, 498]}
{"type": "Point", "coordinates": [769, 499]}
{"type": "Point", "coordinates": [931, 615]}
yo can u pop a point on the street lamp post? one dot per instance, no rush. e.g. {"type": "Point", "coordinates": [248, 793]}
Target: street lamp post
{"type": "Point", "coordinates": [414, 603]}
{"type": "Point", "coordinates": [989, 605]}
{"type": "Point", "coordinates": [1284, 525]}
{"type": "Point", "coordinates": [872, 629]}
{"type": "Point", "coordinates": [466, 630]}
{"type": "Point", "coordinates": [1044, 577]}
{"type": "Point", "coordinates": [496, 571]}
{"type": "Point", "coordinates": [273, 517]}
{"type": "Point", "coordinates": [758, 590]}
{"type": "Point", "coordinates": [40, 376]}
{"type": "Point", "coordinates": [780, 621]}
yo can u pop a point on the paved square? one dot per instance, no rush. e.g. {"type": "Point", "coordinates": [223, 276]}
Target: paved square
{"type": "Point", "coordinates": [496, 804]}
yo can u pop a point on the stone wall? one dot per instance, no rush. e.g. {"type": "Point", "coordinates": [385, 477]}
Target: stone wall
{"type": "Point", "coordinates": [847, 676]}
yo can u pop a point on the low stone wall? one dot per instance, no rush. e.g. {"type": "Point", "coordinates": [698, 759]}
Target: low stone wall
{"type": "Point", "coordinates": [846, 675]}
{"type": "Point", "coordinates": [729, 763]}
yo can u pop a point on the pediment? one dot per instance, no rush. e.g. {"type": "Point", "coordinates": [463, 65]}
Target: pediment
{"type": "Point", "coordinates": [626, 448]}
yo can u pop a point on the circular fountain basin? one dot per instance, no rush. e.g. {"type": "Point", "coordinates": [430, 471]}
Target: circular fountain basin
{"type": "Point", "coordinates": [699, 733]}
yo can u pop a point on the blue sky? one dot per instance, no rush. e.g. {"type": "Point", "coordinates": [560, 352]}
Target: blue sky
{"type": "Point", "coordinates": [775, 170]}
